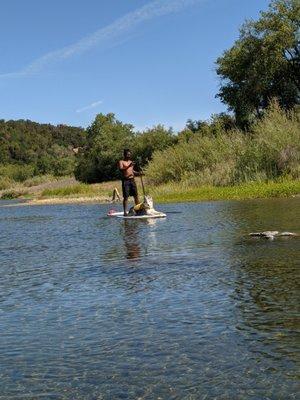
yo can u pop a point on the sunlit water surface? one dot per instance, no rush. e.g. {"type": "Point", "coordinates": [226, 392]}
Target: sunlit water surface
{"type": "Point", "coordinates": [189, 307]}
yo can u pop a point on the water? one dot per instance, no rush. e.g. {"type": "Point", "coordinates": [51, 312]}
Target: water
{"type": "Point", "coordinates": [188, 307]}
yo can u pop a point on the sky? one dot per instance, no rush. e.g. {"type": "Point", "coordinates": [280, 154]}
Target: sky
{"type": "Point", "coordinates": [148, 61]}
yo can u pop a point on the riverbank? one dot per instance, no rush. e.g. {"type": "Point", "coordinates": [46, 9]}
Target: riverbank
{"type": "Point", "coordinates": [67, 190]}
{"type": "Point", "coordinates": [253, 190]}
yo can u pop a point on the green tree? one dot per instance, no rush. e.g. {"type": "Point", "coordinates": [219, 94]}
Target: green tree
{"type": "Point", "coordinates": [263, 63]}
{"type": "Point", "coordinates": [106, 139]}
{"type": "Point", "coordinates": [156, 138]}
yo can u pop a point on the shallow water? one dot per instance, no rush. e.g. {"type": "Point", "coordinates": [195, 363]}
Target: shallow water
{"type": "Point", "coordinates": [188, 307]}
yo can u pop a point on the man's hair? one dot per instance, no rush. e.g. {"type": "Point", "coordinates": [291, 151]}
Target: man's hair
{"type": "Point", "coordinates": [125, 151]}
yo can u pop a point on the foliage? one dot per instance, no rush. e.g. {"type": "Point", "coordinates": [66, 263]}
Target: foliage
{"type": "Point", "coordinates": [217, 123]}
{"type": "Point", "coordinates": [38, 180]}
{"type": "Point", "coordinates": [44, 148]}
{"type": "Point", "coordinates": [155, 139]}
{"type": "Point", "coordinates": [10, 195]}
{"type": "Point", "coordinates": [17, 173]}
{"type": "Point", "coordinates": [181, 192]}
{"type": "Point", "coordinates": [231, 157]}
{"type": "Point", "coordinates": [5, 182]}
{"type": "Point", "coordinates": [263, 63]}
{"type": "Point", "coordinates": [273, 149]}
{"type": "Point", "coordinates": [81, 189]}
{"type": "Point", "coordinates": [106, 139]}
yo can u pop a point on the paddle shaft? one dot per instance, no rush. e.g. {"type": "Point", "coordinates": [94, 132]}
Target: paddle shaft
{"type": "Point", "coordinates": [143, 185]}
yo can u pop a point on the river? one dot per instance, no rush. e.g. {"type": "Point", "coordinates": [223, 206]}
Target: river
{"type": "Point", "coordinates": [187, 307]}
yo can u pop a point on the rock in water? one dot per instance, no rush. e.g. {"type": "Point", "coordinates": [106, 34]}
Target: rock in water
{"type": "Point", "coordinates": [272, 234]}
{"type": "Point", "coordinates": [287, 234]}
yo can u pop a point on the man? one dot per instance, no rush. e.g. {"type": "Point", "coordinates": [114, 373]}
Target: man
{"type": "Point", "coordinates": [126, 166]}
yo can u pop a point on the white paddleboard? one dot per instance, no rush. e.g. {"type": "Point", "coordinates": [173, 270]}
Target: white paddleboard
{"type": "Point", "coordinates": [121, 215]}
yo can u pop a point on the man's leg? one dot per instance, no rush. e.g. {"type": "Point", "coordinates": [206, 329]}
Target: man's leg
{"type": "Point", "coordinates": [136, 200]}
{"type": "Point", "coordinates": [125, 202]}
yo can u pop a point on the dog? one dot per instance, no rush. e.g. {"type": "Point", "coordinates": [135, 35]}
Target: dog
{"type": "Point", "coordinates": [144, 208]}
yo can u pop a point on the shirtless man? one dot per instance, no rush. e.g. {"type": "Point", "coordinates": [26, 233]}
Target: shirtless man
{"type": "Point", "coordinates": [126, 166]}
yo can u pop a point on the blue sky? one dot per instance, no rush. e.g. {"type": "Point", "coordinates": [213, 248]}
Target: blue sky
{"type": "Point", "coordinates": [147, 61]}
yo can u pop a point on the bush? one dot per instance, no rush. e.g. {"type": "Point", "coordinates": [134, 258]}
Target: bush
{"type": "Point", "coordinates": [107, 137]}
{"type": "Point", "coordinates": [273, 149]}
{"type": "Point", "coordinates": [38, 180]}
{"type": "Point", "coordinates": [16, 172]}
{"type": "Point", "coordinates": [157, 138]}
{"type": "Point", "coordinates": [202, 160]}
{"type": "Point", "coordinates": [5, 182]}
{"type": "Point", "coordinates": [270, 150]}
{"type": "Point", "coordinates": [10, 195]}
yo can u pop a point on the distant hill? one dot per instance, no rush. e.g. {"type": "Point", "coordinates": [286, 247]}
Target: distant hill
{"type": "Point", "coordinates": [45, 147]}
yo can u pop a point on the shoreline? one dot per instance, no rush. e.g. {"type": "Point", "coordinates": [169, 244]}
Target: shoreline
{"type": "Point", "coordinates": [171, 193]}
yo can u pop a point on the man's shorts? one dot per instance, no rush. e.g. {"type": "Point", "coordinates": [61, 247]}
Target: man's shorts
{"type": "Point", "coordinates": [129, 188]}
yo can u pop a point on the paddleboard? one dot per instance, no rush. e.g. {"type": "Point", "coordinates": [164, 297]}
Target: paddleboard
{"type": "Point", "coordinates": [121, 215]}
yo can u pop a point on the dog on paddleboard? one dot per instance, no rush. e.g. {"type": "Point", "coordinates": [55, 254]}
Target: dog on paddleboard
{"type": "Point", "coordinates": [144, 208]}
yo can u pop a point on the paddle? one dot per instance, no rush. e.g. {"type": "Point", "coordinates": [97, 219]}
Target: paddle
{"type": "Point", "coordinates": [139, 161]}
{"type": "Point", "coordinates": [142, 184]}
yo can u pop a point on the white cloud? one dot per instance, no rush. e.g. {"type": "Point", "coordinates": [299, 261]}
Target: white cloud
{"type": "Point", "coordinates": [92, 105]}
{"type": "Point", "coordinates": [116, 29]}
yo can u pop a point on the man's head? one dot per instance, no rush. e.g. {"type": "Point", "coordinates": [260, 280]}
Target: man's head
{"type": "Point", "coordinates": [127, 154]}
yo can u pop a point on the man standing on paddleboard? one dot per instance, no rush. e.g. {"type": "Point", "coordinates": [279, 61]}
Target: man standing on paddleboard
{"type": "Point", "coordinates": [126, 166]}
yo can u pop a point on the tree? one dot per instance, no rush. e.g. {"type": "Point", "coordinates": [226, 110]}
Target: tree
{"type": "Point", "coordinates": [263, 63]}
{"type": "Point", "coordinates": [156, 138]}
{"type": "Point", "coordinates": [195, 126]}
{"type": "Point", "coordinates": [106, 139]}
{"type": "Point", "coordinates": [45, 147]}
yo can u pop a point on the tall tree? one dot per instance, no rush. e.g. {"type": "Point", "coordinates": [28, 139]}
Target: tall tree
{"type": "Point", "coordinates": [263, 63]}
{"type": "Point", "coordinates": [106, 139]}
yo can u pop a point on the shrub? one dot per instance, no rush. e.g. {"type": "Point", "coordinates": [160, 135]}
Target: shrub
{"type": "Point", "coordinates": [270, 150]}
{"type": "Point", "coordinates": [5, 182]}
{"type": "Point", "coordinates": [38, 180]}
{"type": "Point", "coordinates": [10, 195]}
{"type": "Point", "coordinates": [16, 172]}
{"type": "Point", "coordinates": [273, 148]}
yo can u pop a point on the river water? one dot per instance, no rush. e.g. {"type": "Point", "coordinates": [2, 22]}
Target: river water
{"type": "Point", "coordinates": [189, 307]}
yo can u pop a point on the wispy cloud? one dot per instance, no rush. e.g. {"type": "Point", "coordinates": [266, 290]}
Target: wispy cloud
{"type": "Point", "coordinates": [116, 29]}
{"type": "Point", "coordinates": [92, 105]}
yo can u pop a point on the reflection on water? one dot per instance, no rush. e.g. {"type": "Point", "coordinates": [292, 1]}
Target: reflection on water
{"type": "Point", "coordinates": [131, 239]}
{"type": "Point", "coordinates": [188, 307]}
{"type": "Point", "coordinates": [134, 239]}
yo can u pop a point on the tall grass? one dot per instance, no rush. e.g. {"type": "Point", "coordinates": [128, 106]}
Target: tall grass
{"type": "Point", "coordinates": [180, 192]}
{"type": "Point", "coordinates": [80, 189]}
{"type": "Point", "coordinates": [270, 150]}
{"type": "Point", "coordinates": [15, 172]}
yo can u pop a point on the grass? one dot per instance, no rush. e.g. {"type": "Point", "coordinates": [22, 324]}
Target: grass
{"type": "Point", "coordinates": [166, 193]}
{"type": "Point", "coordinates": [10, 195]}
{"type": "Point", "coordinates": [81, 190]}
{"type": "Point", "coordinates": [171, 192]}
{"type": "Point", "coordinates": [178, 193]}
